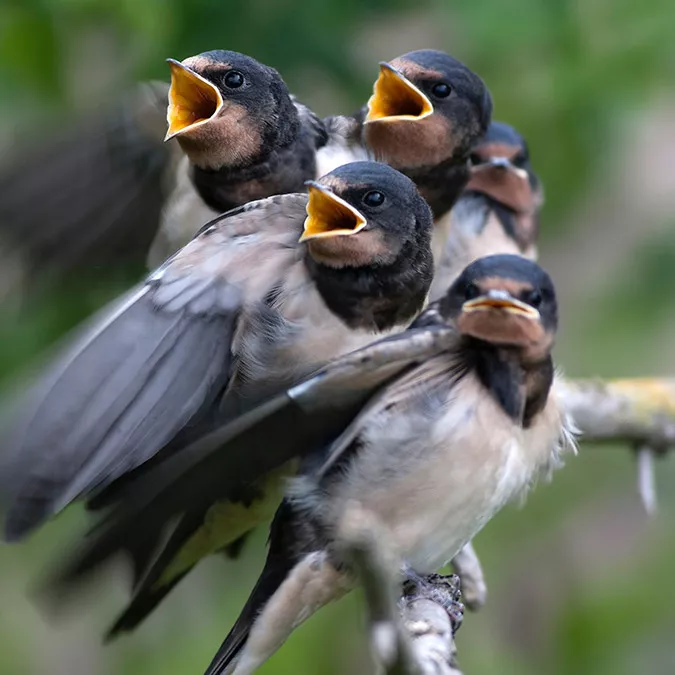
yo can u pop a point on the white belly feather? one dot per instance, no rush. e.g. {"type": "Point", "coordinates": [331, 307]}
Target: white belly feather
{"type": "Point", "coordinates": [435, 498]}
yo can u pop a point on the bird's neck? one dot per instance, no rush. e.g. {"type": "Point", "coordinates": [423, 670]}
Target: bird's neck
{"type": "Point", "coordinates": [376, 298]}
{"type": "Point", "coordinates": [228, 187]}
{"type": "Point", "coordinates": [227, 180]}
{"type": "Point", "coordinates": [440, 185]}
{"type": "Point", "coordinates": [518, 385]}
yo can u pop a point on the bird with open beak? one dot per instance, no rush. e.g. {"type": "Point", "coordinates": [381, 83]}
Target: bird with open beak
{"type": "Point", "coordinates": [264, 295]}
{"type": "Point", "coordinates": [244, 138]}
{"type": "Point", "coordinates": [398, 427]}
{"type": "Point", "coordinates": [115, 191]}
{"type": "Point", "coordinates": [425, 115]}
{"type": "Point", "coordinates": [498, 212]}
{"type": "Point", "coordinates": [111, 187]}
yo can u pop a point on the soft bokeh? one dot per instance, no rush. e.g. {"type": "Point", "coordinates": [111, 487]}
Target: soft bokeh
{"type": "Point", "coordinates": [580, 580]}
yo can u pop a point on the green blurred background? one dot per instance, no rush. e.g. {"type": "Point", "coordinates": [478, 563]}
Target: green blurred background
{"type": "Point", "coordinates": [580, 580]}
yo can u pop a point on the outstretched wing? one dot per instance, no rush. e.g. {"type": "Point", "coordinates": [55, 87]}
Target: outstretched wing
{"type": "Point", "coordinates": [152, 364]}
{"type": "Point", "coordinates": [92, 197]}
{"type": "Point", "coordinates": [304, 418]}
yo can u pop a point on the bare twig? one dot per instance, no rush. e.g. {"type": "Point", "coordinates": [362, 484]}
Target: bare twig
{"type": "Point", "coordinates": [413, 636]}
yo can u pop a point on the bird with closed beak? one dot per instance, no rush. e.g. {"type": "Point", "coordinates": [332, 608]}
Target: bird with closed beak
{"type": "Point", "coordinates": [398, 427]}
{"type": "Point", "coordinates": [426, 113]}
{"type": "Point", "coordinates": [264, 295]}
{"type": "Point", "coordinates": [498, 211]}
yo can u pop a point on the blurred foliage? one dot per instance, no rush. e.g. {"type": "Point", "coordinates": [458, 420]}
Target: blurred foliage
{"type": "Point", "coordinates": [580, 583]}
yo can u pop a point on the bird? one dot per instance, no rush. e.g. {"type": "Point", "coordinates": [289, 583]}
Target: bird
{"type": "Point", "coordinates": [111, 192]}
{"type": "Point", "coordinates": [498, 211]}
{"type": "Point", "coordinates": [455, 106]}
{"type": "Point", "coordinates": [243, 136]}
{"type": "Point", "coordinates": [426, 113]}
{"type": "Point", "coordinates": [262, 296]}
{"type": "Point", "coordinates": [397, 427]}
{"type": "Point", "coordinates": [118, 197]}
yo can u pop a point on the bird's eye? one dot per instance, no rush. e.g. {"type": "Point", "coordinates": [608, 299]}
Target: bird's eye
{"type": "Point", "coordinates": [533, 298]}
{"type": "Point", "coordinates": [471, 291]}
{"type": "Point", "coordinates": [475, 159]}
{"type": "Point", "coordinates": [441, 90]}
{"type": "Point", "coordinates": [234, 79]}
{"type": "Point", "coordinates": [373, 198]}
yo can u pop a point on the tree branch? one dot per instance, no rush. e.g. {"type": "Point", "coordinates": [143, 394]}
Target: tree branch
{"type": "Point", "coordinates": [639, 411]}
{"type": "Point", "coordinates": [413, 636]}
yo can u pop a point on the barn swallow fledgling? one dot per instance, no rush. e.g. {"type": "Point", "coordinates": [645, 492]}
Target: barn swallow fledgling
{"type": "Point", "coordinates": [244, 137]}
{"type": "Point", "coordinates": [426, 112]}
{"type": "Point", "coordinates": [498, 212]}
{"type": "Point", "coordinates": [398, 427]}
{"type": "Point", "coordinates": [104, 192]}
{"type": "Point", "coordinates": [240, 313]}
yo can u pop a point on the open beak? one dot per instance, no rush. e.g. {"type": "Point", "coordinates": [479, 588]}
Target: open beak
{"type": "Point", "coordinates": [500, 301]}
{"type": "Point", "coordinates": [396, 98]}
{"type": "Point", "coordinates": [329, 215]}
{"type": "Point", "coordinates": [193, 100]}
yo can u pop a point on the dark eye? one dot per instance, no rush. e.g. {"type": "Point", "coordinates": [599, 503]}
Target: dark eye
{"type": "Point", "coordinates": [441, 90]}
{"type": "Point", "coordinates": [475, 159]}
{"type": "Point", "coordinates": [373, 198]}
{"type": "Point", "coordinates": [533, 298]}
{"type": "Point", "coordinates": [234, 79]}
{"type": "Point", "coordinates": [471, 291]}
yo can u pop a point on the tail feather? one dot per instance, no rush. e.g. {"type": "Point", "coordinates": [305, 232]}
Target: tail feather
{"type": "Point", "coordinates": [150, 588]}
{"type": "Point", "coordinates": [285, 549]}
{"type": "Point", "coordinates": [141, 607]}
{"type": "Point", "coordinates": [275, 572]}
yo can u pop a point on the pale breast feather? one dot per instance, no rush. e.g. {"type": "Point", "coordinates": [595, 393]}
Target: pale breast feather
{"type": "Point", "coordinates": [445, 465]}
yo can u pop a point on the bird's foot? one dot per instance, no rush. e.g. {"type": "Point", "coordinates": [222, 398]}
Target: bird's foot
{"type": "Point", "coordinates": [443, 589]}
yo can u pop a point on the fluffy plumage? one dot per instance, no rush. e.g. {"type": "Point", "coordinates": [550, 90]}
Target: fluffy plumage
{"type": "Point", "coordinates": [398, 426]}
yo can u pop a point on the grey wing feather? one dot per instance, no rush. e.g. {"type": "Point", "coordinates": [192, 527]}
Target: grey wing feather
{"type": "Point", "coordinates": [155, 362]}
{"type": "Point", "coordinates": [120, 395]}
{"type": "Point", "coordinates": [300, 421]}
{"type": "Point", "coordinates": [92, 197]}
